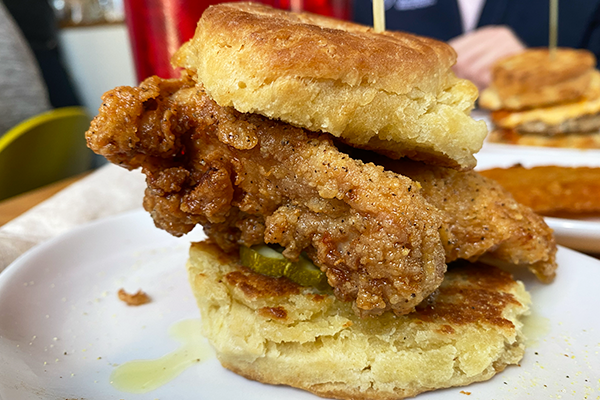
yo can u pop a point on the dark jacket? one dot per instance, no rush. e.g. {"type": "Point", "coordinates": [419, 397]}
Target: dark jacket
{"type": "Point", "coordinates": [578, 25]}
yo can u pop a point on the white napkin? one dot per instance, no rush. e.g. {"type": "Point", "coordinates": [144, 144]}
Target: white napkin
{"type": "Point", "coordinates": [109, 190]}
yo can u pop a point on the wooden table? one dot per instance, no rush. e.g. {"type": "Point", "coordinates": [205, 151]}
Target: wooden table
{"type": "Point", "coordinates": [15, 206]}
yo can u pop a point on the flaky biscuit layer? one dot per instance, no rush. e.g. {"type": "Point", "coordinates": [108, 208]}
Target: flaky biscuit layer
{"type": "Point", "coordinates": [393, 92]}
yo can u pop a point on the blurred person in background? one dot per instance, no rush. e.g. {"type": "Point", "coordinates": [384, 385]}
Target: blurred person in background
{"type": "Point", "coordinates": [483, 31]}
{"type": "Point", "coordinates": [39, 26]}
{"type": "Point", "coordinates": [23, 91]}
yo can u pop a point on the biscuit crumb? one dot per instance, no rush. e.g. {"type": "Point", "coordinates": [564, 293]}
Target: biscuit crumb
{"type": "Point", "coordinates": [467, 393]}
{"type": "Point", "coordinates": [136, 299]}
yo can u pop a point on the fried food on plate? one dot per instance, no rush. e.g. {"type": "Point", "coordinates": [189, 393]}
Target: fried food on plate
{"type": "Point", "coordinates": [133, 299]}
{"type": "Point", "coordinates": [267, 138]}
{"type": "Point", "coordinates": [363, 225]}
{"type": "Point", "coordinates": [480, 217]}
{"type": "Point", "coordinates": [552, 190]}
{"type": "Point", "coordinates": [250, 180]}
{"type": "Point", "coordinates": [538, 100]}
{"type": "Point", "coordinates": [274, 331]}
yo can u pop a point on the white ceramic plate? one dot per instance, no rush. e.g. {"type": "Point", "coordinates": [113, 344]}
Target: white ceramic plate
{"type": "Point", "coordinates": [63, 331]}
{"type": "Point", "coordinates": [582, 235]}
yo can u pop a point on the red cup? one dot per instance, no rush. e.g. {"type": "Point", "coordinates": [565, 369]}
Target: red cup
{"type": "Point", "coordinates": [157, 28]}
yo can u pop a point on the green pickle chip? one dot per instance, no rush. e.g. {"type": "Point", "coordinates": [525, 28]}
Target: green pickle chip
{"type": "Point", "coordinates": [305, 273]}
{"type": "Point", "coordinates": [267, 261]}
{"type": "Point", "coordinates": [264, 260]}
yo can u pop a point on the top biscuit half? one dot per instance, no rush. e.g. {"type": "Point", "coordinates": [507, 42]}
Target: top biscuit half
{"type": "Point", "coordinates": [391, 92]}
{"type": "Point", "coordinates": [537, 78]}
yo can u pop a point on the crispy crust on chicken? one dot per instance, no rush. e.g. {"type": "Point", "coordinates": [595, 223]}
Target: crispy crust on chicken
{"type": "Point", "coordinates": [481, 217]}
{"type": "Point", "coordinates": [248, 179]}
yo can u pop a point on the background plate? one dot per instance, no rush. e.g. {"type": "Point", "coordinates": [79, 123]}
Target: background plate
{"type": "Point", "coordinates": [581, 234]}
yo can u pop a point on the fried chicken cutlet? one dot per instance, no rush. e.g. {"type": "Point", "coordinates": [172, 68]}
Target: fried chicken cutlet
{"type": "Point", "coordinates": [481, 217]}
{"type": "Point", "coordinates": [249, 180]}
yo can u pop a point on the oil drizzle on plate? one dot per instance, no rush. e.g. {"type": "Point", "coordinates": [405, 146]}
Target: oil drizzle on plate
{"type": "Point", "coordinates": [535, 327]}
{"type": "Point", "coordinates": [142, 376]}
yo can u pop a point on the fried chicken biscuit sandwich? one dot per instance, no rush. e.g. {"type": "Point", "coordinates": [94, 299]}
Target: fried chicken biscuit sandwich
{"type": "Point", "coordinates": [347, 150]}
{"type": "Point", "coordinates": [540, 99]}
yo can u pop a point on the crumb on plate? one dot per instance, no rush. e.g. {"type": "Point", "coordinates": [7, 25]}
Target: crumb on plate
{"type": "Point", "coordinates": [136, 299]}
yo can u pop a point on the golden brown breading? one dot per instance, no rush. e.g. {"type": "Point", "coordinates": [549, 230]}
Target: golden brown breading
{"type": "Point", "coordinates": [246, 179]}
{"type": "Point", "coordinates": [480, 217]}
{"type": "Point", "coordinates": [552, 190]}
{"type": "Point", "coordinates": [136, 299]}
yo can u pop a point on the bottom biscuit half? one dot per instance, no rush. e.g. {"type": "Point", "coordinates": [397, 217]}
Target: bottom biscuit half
{"type": "Point", "coordinates": [274, 331]}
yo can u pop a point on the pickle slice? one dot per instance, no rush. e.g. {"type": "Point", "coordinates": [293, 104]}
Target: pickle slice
{"type": "Point", "coordinates": [267, 261]}
{"type": "Point", "coordinates": [305, 273]}
{"type": "Point", "coordinates": [264, 260]}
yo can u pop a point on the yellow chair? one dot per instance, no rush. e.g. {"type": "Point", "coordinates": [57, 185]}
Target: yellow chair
{"type": "Point", "coordinates": [44, 149]}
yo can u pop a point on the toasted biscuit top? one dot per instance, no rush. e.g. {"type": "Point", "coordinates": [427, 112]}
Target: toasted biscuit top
{"type": "Point", "coordinates": [312, 46]}
{"type": "Point", "coordinates": [534, 78]}
{"type": "Point", "coordinates": [537, 67]}
{"type": "Point", "coordinates": [391, 91]}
